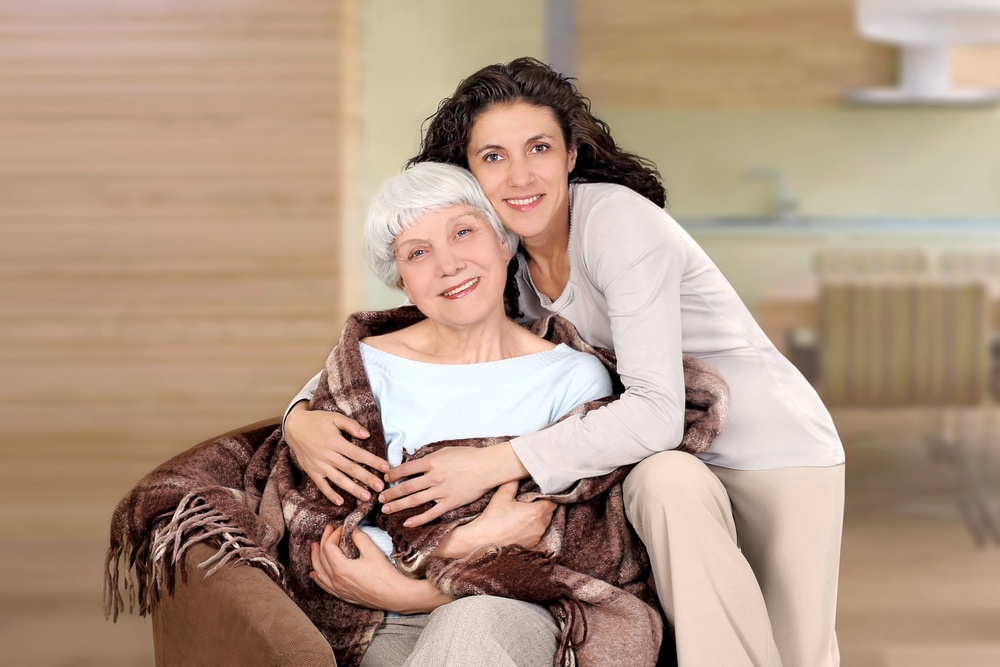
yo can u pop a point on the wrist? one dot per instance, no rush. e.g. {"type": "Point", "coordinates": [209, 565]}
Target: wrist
{"type": "Point", "coordinates": [419, 596]}
{"type": "Point", "coordinates": [460, 542]}
{"type": "Point", "coordinates": [506, 464]}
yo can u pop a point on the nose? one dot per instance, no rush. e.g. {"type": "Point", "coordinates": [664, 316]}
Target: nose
{"type": "Point", "coordinates": [448, 261]}
{"type": "Point", "coordinates": [519, 172]}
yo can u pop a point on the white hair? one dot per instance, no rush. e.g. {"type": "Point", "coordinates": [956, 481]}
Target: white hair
{"type": "Point", "coordinates": [407, 197]}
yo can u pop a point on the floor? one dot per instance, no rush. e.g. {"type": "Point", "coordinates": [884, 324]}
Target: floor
{"type": "Point", "coordinates": [915, 589]}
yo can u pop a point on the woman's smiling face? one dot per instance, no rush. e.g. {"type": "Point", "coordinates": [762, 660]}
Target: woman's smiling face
{"type": "Point", "coordinates": [519, 156]}
{"type": "Point", "coordinates": [453, 267]}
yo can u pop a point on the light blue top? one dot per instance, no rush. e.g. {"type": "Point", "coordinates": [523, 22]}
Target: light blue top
{"type": "Point", "coordinates": [422, 402]}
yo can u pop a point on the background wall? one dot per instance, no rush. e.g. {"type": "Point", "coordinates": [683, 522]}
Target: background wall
{"type": "Point", "coordinates": [172, 180]}
{"type": "Point", "coordinates": [709, 91]}
{"type": "Point", "coordinates": [173, 176]}
{"type": "Point", "coordinates": [413, 55]}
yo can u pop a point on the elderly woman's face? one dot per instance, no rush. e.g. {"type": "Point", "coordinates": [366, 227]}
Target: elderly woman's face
{"type": "Point", "coordinates": [453, 267]}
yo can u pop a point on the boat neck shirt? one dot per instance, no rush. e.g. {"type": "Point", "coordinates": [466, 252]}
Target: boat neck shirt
{"type": "Point", "coordinates": [422, 402]}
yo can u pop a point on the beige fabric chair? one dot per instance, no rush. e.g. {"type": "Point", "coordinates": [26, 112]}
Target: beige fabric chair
{"type": "Point", "coordinates": [904, 342]}
{"type": "Point", "coordinates": [979, 265]}
{"type": "Point", "coordinates": [919, 343]}
{"type": "Point", "coordinates": [970, 263]}
{"type": "Point", "coordinates": [238, 616]}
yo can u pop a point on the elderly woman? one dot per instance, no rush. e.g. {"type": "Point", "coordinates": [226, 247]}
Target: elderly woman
{"type": "Point", "coordinates": [512, 578]}
{"type": "Point", "coordinates": [465, 371]}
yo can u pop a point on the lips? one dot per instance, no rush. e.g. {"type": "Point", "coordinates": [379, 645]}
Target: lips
{"type": "Point", "coordinates": [523, 203]}
{"type": "Point", "coordinates": [461, 290]}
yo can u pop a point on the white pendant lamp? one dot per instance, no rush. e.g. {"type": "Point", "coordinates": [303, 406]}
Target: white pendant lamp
{"type": "Point", "coordinates": [925, 30]}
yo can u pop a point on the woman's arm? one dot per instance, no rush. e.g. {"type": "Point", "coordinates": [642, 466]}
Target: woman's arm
{"type": "Point", "coordinates": [636, 257]}
{"type": "Point", "coordinates": [505, 521]}
{"type": "Point", "coordinates": [369, 580]}
{"type": "Point", "coordinates": [322, 452]}
{"type": "Point", "coordinates": [455, 476]}
{"type": "Point", "coordinates": [450, 478]}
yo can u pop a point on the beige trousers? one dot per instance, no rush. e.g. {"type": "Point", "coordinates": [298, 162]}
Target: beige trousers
{"type": "Point", "coordinates": [770, 604]}
{"type": "Point", "coordinates": [477, 631]}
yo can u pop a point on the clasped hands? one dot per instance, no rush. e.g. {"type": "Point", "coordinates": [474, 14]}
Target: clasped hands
{"type": "Point", "coordinates": [450, 477]}
{"type": "Point", "coordinates": [372, 581]}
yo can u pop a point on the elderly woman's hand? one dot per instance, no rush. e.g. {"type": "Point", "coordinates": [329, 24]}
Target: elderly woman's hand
{"type": "Point", "coordinates": [320, 450]}
{"type": "Point", "coordinates": [505, 521]}
{"type": "Point", "coordinates": [370, 580]}
{"type": "Point", "coordinates": [450, 477]}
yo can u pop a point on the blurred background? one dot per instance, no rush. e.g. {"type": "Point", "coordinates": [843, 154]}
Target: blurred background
{"type": "Point", "coordinates": [181, 190]}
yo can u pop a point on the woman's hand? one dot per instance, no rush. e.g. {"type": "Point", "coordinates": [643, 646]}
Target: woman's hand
{"type": "Point", "coordinates": [371, 580]}
{"type": "Point", "coordinates": [505, 521]}
{"type": "Point", "coordinates": [322, 453]}
{"type": "Point", "coordinates": [450, 477]}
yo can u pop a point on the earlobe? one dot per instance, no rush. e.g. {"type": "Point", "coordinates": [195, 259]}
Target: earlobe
{"type": "Point", "coordinates": [572, 161]}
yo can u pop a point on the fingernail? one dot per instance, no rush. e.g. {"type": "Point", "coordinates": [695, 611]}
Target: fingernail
{"type": "Point", "coordinates": [381, 498]}
{"type": "Point", "coordinates": [387, 509]}
{"type": "Point", "coordinates": [379, 486]}
{"type": "Point", "coordinates": [365, 433]}
{"type": "Point", "coordinates": [365, 495]}
{"type": "Point", "coordinates": [339, 501]}
{"type": "Point", "coordinates": [408, 523]}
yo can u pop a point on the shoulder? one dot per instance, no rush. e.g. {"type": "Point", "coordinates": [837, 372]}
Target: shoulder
{"type": "Point", "coordinates": [403, 342]}
{"type": "Point", "coordinates": [611, 199]}
{"type": "Point", "coordinates": [606, 210]}
{"type": "Point", "coordinates": [574, 365]}
{"type": "Point", "coordinates": [613, 227]}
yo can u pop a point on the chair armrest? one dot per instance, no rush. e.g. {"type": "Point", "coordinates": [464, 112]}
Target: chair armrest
{"type": "Point", "coordinates": [238, 616]}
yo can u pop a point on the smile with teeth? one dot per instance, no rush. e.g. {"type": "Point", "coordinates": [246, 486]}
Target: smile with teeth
{"type": "Point", "coordinates": [461, 288]}
{"type": "Point", "coordinates": [524, 202]}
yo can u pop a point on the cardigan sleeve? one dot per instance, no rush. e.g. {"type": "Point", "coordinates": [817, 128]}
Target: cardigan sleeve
{"type": "Point", "coordinates": [634, 255]}
{"type": "Point", "coordinates": [305, 394]}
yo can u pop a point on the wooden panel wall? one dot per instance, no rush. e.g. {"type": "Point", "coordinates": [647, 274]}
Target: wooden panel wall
{"type": "Point", "coordinates": [719, 53]}
{"type": "Point", "coordinates": [722, 53]}
{"type": "Point", "coordinates": [172, 180]}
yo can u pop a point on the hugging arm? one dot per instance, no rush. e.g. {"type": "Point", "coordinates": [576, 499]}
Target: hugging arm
{"type": "Point", "coordinates": [636, 256]}
{"type": "Point", "coordinates": [321, 451]}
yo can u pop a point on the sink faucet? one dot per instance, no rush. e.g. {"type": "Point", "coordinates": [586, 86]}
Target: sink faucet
{"type": "Point", "coordinates": [787, 203]}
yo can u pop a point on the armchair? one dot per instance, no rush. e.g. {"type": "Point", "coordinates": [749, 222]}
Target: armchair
{"type": "Point", "coordinates": [238, 616]}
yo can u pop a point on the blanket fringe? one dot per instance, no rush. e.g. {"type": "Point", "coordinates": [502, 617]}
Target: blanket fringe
{"type": "Point", "coordinates": [149, 566]}
{"type": "Point", "coordinates": [573, 623]}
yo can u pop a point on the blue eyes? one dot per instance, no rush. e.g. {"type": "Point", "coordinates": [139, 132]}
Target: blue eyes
{"type": "Point", "coordinates": [420, 252]}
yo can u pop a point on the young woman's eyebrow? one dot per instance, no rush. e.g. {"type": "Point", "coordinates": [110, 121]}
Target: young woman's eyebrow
{"type": "Point", "coordinates": [494, 147]}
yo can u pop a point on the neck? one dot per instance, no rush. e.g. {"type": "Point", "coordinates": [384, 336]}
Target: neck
{"type": "Point", "coordinates": [550, 251]}
{"type": "Point", "coordinates": [492, 340]}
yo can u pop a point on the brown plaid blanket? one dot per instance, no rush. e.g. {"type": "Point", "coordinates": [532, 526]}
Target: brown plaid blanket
{"type": "Point", "coordinates": [244, 495]}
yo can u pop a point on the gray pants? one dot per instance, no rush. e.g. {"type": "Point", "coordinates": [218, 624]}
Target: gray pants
{"type": "Point", "coordinates": [477, 631]}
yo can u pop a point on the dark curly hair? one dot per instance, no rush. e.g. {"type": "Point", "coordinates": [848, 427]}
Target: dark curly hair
{"type": "Point", "coordinates": [599, 159]}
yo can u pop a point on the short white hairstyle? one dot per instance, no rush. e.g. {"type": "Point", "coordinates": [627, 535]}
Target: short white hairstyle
{"type": "Point", "coordinates": [407, 197]}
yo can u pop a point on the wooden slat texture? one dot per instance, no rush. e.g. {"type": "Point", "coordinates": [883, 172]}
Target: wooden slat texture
{"type": "Point", "coordinates": [722, 53]}
{"type": "Point", "coordinates": [173, 182]}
